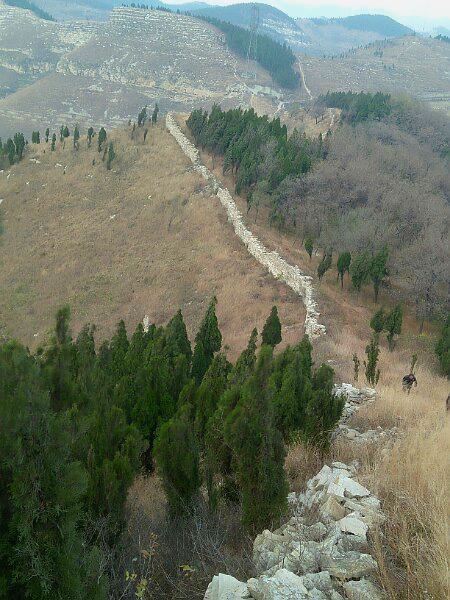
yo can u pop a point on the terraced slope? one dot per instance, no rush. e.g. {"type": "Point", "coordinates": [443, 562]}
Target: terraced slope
{"type": "Point", "coordinates": [138, 57]}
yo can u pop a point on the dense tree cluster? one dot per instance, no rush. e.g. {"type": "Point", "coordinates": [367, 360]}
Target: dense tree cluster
{"type": "Point", "coordinates": [358, 107]}
{"type": "Point", "coordinates": [78, 421]}
{"type": "Point", "coordinates": [278, 59]}
{"type": "Point", "coordinates": [39, 12]}
{"type": "Point", "coordinates": [255, 149]}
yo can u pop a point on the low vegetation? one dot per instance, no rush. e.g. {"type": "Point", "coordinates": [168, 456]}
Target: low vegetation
{"type": "Point", "coordinates": [26, 4]}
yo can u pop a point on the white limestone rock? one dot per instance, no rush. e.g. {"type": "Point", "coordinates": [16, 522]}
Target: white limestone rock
{"type": "Point", "coordinates": [363, 590]}
{"type": "Point", "coordinates": [283, 585]}
{"type": "Point", "coordinates": [352, 524]}
{"type": "Point", "coordinates": [225, 587]}
{"type": "Point", "coordinates": [348, 565]}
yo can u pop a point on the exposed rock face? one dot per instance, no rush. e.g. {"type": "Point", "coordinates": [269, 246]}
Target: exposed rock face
{"type": "Point", "coordinates": [277, 266]}
{"type": "Point", "coordinates": [324, 560]}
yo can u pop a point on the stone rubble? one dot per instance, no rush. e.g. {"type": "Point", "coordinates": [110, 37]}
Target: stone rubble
{"type": "Point", "coordinates": [321, 553]}
{"type": "Point", "coordinates": [277, 266]}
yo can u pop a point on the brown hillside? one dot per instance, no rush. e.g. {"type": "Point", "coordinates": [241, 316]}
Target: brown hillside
{"type": "Point", "coordinates": [145, 238]}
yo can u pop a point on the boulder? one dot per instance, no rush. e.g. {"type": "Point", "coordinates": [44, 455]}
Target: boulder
{"type": "Point", "coordinates": [363, 590]}
{"type": "Point", "coordinates": [352, 524]}
{"type": "Point", "coordinates": [225, 587]}
{"type": "Point", "coordinates": [283, 585]}
{"type": "Point", "coordinates": [321, 581]}
{"type": "Point", "coordinates": [332, 508]}
{"type": "Point", "coordinates": [348, 565]}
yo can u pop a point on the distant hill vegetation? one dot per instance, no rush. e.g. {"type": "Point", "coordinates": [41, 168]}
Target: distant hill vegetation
{"type": "Point", "coordinates": [378, 23]}
{"type": "Point", "coordinates": [39, 12]}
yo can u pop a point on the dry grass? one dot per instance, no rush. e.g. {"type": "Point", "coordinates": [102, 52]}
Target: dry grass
{"type": "Point", "coordinates": [168, 246]}
{"type": "Point", "coordinates": [411, 474]}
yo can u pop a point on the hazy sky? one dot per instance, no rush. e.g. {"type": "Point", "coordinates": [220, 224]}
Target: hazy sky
{"type": "Point", "coordinates": [427, 9]}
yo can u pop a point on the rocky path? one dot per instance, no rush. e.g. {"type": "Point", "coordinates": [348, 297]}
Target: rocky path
{"type": "Point", "coordinates": [291, 275]}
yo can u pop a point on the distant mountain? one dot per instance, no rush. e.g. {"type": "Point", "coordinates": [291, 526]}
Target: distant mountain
{"type": "Point", "coordinates": [380, 24]}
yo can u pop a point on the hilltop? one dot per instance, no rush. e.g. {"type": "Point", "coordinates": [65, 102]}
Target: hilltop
{"type": "Point", "coordinates": [141, 239]}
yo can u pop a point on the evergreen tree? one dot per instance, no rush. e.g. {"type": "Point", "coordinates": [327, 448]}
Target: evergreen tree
{"type": "Point", "coordinates": [213, 384]}
{"type": "Point", "coordinates": [177, 459]}
{"type": "Point", "coordinates": [343, 265]}
{"type": "Point", "coordinates": [155, 114]}
{"type": "Point", "coordinates": [142, 117]}
{"type": "Point", "coordinates": [101, 138]}
{"type": "Point", "coordinates": [372, 353]}
{"type": "Point", "coordinates": [76, 137]}
{"type": "Point", "coordinates": [378, 270]}
{"type": "Point", "coordinates": [208, 341]}
{"type": "Point", "coordinates": [19, 143]}
{"type": "Point", "coordinates": [53, 142]}
{"type": "Point", "coordinates": [258, 449]}
{"type": "Point", "coordinates": [360, 270]}
{"type": "Point", "coordinates": [393, 324]}
{"type": "Point", "coordinates": [377, 321]}
{"type": "Point", "coordinates": [324, 265]}
{"type": "Point", "coordinates": [356, 365]}
{"type": "Point", "coordinates": [443, 347]}
{"type": "Point", "coordinates": [47, 135]}
{"type": "Point", "coordinates": [90, 135]}
{"type": "Point", "coordinates": [324, 409]}
{"type": "Point", "coordinates": [111, 156]}
{"type": "Point", "coordinates": [309, 246]}
{"type": "Point", "coordinates": [271, 333]}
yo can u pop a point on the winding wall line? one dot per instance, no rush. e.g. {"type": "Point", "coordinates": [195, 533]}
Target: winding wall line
{"type": "Point", "coordinates": [277, 266]}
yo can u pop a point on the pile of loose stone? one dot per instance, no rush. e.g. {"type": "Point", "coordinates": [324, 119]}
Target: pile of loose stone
{"type": "Point", "coordinates": [276, 265]}
{"type": "Point", "coordinates": [321, 553]}
{"type": "Point", "coordinates": [355, 398]}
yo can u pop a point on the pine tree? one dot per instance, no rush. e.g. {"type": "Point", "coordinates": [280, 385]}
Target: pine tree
{"type": "Point", "coordinates": [142, 117]}
{"type": "Point", "coordinates": [101, 138]}
{"type": "Point", "coordinates": [372, 353]}
{"type": "Point", "coordinates": [377, 321]}
{"type": "Point", "coordinates": [19, 143]}
{"type": "Point", "coordinates": [343, 265]}
{"type": "Point", "coordinates": [443, 347]}
{"type": "Point", "coordinates": [213, 384]}
{"type": "Point", "coordinates": [324, 409]}
{"type": "Point", "coordinates": [47, 135]}
{"type": "Point", "coordinates": [360, 270]}
{"type": "Point", "coordinates": [111, 156]}
{"type": "Point", "coordinates": [271, 333]}
{"type": "Point", "coordinates": [378, 270]}
{"type": "Point", "coordinates": [393, 324]}
{"type": "Point", "coordinates": [90, 135]}
{"type": "Point", "coordinates": [53, 142]}
{"type": "Point", "coordinates": [309, 246]}
{"type": "Point", "coordinates": [324, 265]}
{"type": "Point", "coordinates": [177, 459]}
{"type": "Point", "coordinates": [208, 341]}
{"type": "Point", "coordinates": [76, 137]}
{"type": "Point", "coordinates": [155, 114]}
{"type": "Point", "coordinates": [258, 449]}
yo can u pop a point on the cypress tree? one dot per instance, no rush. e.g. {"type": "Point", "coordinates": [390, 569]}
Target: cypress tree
{"type": "Point", "coordinates": [324, 265]}
{"type": "Point", "coordinates": [208, 341]}
{"type": "Point", "coordinates": [76, 137]}
{"type": "Point", "coordinates": [258, 449]}
{"type": "Point", "coordinates": [101, 138]}
{"type": "Point", "coordinates": [377, 321]}
{"type": "Point", "coordinates": [343, 265]}
{"type": "Point", "coordinates": [324, 409]}
{"type": "Point", "coordinates": [90, 135]}
{"type": "Point", "coordinates": [111, 156]}
{"type": "Point", "coordinates": [393, 325]}
{"type": "Point", "coordinates": [271, 333]}
{"type": "Point", "coordinates": [213, 384]}
{"type": "Point", "coordinates": [360, 270]}
{"type": "Point", "coordinates": [372, 353]}
{"type": "Point", "coordinates": [142, 117]}
{"type": "Point", "coordinates": [47, 135]}
{"type": "Point", "coordinates": [309, 246]}
{"type": "Point", "coordinates": [378, 270]}
{"type": "Point", "coordinates": [53, 142]}
{"type": "Point", "coordinates": [155, 114]}
{"type": "Point", "coordinates": [177, 460]}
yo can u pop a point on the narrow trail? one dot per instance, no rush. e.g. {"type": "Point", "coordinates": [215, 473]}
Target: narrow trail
{"type": "Point", "coordinates": [291, 275]}
{"type": "Point", "coordinates": [302, 75]}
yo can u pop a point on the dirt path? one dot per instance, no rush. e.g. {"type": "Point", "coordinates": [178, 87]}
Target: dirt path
{"type": "Point", "coordinates": [302, 75]}
{"type": "Point", "coordinates": [277, 266]}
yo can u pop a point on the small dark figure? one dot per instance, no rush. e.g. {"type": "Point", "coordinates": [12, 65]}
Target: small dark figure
{"type": "Point", "coordinates": [447, 404]}
{"type": "Point", "coordinates": [408, 381]}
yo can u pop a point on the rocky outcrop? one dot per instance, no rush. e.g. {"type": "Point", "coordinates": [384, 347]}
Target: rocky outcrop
{"type": "Point", "coordinates": [321, 553]}
{"type": "Point", "coordinates": [272, 261]}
